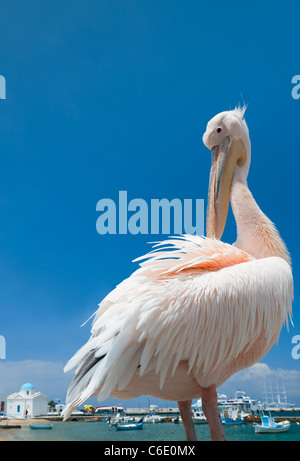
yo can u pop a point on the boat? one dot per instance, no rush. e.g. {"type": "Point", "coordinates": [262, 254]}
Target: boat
{"type": "Point", "coordinates": [232, 416]}
{"type": "Point", "coordinates": [40, 426]}
{"type": "Point", "coordinates": [276, 399]}
{"type": "Point", "coordinates": [198, 417]}
{"type": "Point", "coordinates": [128, 427]}
{"type": "Point", "coordinates": [240, 400]}
{"type": "Point", "coordinates": [122, 419]}
{"type": "Point", "coordinates": [246, 404]}
{"type": "Point", "coordinates": [153, 419]}
{"type": "Point", "coordinates": [268, 425]}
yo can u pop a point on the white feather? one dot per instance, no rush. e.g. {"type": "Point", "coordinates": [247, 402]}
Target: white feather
{"type": "Point", "coordinates": [158, 318]}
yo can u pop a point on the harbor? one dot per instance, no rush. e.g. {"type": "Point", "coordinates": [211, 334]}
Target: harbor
{"type": "Point", "coordinates": [166, 432]}
{"type": "Point", "coordinates": [243, 418]}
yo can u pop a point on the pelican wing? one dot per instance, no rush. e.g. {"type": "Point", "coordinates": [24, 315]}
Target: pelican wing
{"type": "Point", "coordinates": [193, 299]}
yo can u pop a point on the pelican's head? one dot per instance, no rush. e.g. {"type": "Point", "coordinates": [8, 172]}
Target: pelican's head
{"type": "Point", "coordinates": [227, 137]}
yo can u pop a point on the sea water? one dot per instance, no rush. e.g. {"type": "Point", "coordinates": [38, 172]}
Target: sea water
{"type": "Point", "coordinates": [165, 432]}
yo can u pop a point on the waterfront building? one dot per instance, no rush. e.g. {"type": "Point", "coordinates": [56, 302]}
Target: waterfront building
{"type": "Point", "coordinates": [27, 402]}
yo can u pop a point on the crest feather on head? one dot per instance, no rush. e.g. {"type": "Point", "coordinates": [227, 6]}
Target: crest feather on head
{"type": "Point", "coordinates": [239, 112]}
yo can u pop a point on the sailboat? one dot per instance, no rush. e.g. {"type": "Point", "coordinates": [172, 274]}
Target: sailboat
{"type": "Point", "coordinates": [276, 399]}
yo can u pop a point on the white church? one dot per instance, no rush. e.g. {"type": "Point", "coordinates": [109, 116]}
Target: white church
{"type": "Point", "coordinates": [26, 402]}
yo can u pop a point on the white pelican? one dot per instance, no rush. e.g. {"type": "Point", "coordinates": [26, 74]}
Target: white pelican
{"type": "Point", "coordinates": [197, 310]}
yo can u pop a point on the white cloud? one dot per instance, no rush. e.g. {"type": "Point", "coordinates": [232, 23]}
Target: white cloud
{"type": "Point", "coordinates": [252, 381]}
{"type": "Point", "coordinates": [257, 371]}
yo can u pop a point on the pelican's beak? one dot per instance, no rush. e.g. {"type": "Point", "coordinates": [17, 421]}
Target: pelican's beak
{"type": "Point", "coordinates": [225, 157]}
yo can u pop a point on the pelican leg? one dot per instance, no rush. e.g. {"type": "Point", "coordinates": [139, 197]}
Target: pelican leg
{"type": "Point", "coordinates": [211, 411]}
{"type": "Point", "coordinates": [186, 415]}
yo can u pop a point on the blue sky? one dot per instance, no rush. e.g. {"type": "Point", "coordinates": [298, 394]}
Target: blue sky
{"type": "Point", "coordinates": [108, 96]}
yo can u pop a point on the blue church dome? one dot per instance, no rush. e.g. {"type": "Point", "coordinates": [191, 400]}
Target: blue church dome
{"type": "Point", "coordinates": [27, 386]}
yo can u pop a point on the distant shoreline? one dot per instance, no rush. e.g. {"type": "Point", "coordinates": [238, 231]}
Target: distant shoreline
{"type": "Point", "coordinates": [8, 434]}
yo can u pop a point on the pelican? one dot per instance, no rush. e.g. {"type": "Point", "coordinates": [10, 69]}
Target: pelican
{"type": "Point", "coordinates": [197, 310]}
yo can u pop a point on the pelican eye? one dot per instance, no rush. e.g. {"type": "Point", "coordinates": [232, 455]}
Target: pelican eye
{"type": "Point", "coordinates": [219, 130]}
